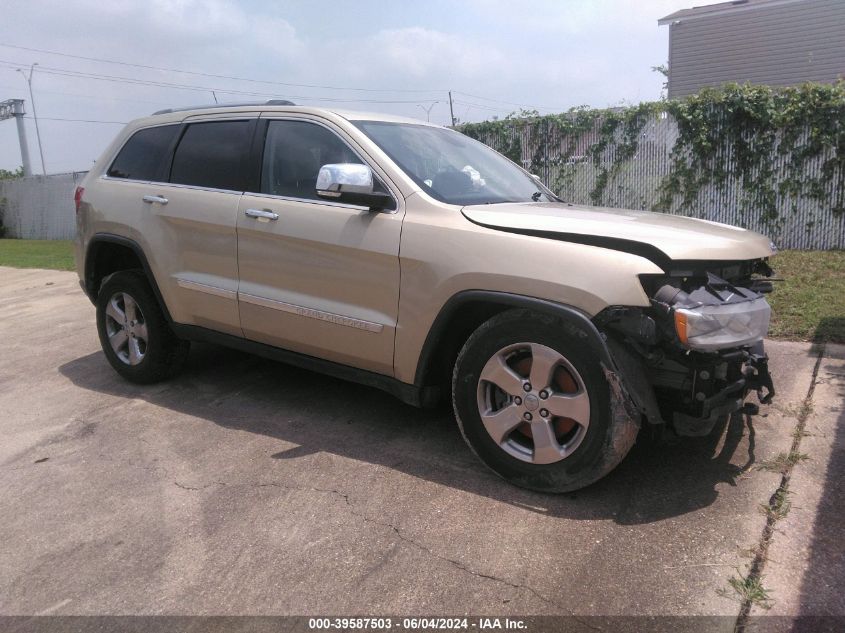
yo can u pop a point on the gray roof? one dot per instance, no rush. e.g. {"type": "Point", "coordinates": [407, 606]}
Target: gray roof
{"type": "Point", "coordinates": [721, 7]}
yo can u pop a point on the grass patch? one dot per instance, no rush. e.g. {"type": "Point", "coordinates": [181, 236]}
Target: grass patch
{"type": "Point", "coordinates": [809, 305]}
{"type": "Point", "coordinates": [52, 254]}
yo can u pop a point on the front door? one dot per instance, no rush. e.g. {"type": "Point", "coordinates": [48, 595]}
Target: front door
{"type": "Point", "coordinates": [316, 277]}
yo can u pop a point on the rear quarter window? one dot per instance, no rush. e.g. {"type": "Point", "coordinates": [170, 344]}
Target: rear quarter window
{"type": "Point", "coordinates": [144, 154]}
{"type": "Point", "coordinates": [212, 154]}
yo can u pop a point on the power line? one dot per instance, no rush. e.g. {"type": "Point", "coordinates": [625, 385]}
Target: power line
{"type": "Point", "coordinates": [520, 105]}
{"type": "Point", "coordinates": [47, 118]}
{"type": "Point", "coordinates": [163, 84]}
{"type": "Point", "coordinates": [481, 106]}
{"type": "Point", "coordinates": [99, 98]}
{"type": "Point", "coordinates": [268, 82]}
{"type": "Point", "coordinates": [64, 72]}
{"type": "Point", "coordinates": [212, 75]}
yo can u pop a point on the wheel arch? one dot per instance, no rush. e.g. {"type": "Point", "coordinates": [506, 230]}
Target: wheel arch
{"type": "Point", "coordinates": [464, 312]}
{"type": "Point", "coordinates": [108, 253]}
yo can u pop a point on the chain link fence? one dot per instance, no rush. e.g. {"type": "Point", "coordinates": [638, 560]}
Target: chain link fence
{"type": "Point", "coordinates": [583, 170]}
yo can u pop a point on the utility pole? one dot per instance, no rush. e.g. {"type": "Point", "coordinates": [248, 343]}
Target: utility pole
{"type": "Point", "coordinates": [428, 110]}
{"type": "Point", "coordinates": [14, 108]}
{"type": "Point", "coordinates": [35, 114]}
{"type": "Point", "coordinates": [451, 109]}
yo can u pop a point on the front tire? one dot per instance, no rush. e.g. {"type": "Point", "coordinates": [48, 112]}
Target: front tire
{"type": "Point", "coordinates": [532, 402]}
{"type": "Point", "coordinates": [134, 334]}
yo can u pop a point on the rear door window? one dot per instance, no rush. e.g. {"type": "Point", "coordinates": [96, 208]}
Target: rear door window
{"type": "Point", "coordinates": [213, 154]}
{"type": "Point", "coordinates": [145, 154]}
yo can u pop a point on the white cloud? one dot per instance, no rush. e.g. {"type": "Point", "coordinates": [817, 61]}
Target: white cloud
{"type": "Point", "coordinates": [541, 53]}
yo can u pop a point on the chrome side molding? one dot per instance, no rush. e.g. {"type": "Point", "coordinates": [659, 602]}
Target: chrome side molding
{"type": "Point", "coordinates": [310, 313]}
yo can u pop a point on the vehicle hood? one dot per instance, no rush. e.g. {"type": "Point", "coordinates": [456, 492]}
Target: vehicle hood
{"type": "Point", "coordinates": [659, 237]}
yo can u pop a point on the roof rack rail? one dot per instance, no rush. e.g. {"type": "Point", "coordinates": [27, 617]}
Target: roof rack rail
{"type": "Point", "coordinates": [269, 102]}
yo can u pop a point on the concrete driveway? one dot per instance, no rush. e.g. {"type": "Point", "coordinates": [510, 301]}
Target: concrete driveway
{"type": "Point", "coordinates": [250, 487]}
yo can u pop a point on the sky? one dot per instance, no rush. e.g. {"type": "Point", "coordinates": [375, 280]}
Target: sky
{"type": "Point", "coordinates": [400, 57]}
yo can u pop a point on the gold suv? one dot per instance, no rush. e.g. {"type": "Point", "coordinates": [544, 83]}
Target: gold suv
{"type": "Point", "coordinates": [408, 257]}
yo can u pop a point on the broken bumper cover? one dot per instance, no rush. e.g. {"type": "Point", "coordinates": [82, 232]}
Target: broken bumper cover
{"type": "Point", "coordinates": [686, 399]}
{"type": "Point", "coordinates": [696, 352]}
{"type": "Point", "coordinates": [731, 398]}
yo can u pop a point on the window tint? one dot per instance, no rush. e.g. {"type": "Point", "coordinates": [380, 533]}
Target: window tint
{"type": "Point", "coordinates": [144, 153]}
{"type": "Point", "coordinates": [293, 154]}
{"type": "Point", "coordinates": [212, 155]}
{"type": "Point", "coordinates": [454, 168]}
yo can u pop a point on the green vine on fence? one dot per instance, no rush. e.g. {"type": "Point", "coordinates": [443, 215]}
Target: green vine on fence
{"type": "Point", "coordinates": [764, 139]}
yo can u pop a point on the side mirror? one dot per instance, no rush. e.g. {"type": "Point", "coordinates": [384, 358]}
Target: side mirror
{"type": "Point", "coordinates": [351, 183]}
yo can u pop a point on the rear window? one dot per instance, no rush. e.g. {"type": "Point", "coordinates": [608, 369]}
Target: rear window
{"type": "Point", "coordinates": [144, 154]}
{"type": "Point", "coordinates": [212, 155]}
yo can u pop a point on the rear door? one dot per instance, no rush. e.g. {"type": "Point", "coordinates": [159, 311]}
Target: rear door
{"type": "Point", "coordinates": [317, 277]}
{"type": "Point", "coordinates": [196, 213]}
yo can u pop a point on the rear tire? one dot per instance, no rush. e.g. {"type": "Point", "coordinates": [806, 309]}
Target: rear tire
{"type": "Point", "coordinates": [134, 334]}
{"type": "Point", "coordinates": [532, 401]}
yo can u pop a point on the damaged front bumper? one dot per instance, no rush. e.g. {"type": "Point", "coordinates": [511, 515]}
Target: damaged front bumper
{"type": "Point", "coordinates": [695, 355]}
{"type": "Point", "coordinates": [731, 398]}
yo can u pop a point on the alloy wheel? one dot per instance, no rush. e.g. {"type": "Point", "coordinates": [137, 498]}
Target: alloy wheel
{"type": "Point", "coordinates": [533, 403]}
{"type": "Point", "coordinates": [126, 328]}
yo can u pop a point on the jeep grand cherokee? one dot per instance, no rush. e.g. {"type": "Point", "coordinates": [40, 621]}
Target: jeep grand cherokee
{"type": "Point", "coordinates": [408, 257]}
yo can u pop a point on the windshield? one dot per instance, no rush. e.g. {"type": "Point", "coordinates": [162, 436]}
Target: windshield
{"type": "Point", "coordinates": [454, 168]}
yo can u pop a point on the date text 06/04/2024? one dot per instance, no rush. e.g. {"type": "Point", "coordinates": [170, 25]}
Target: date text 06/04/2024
{"type": "Point", "coordinates": [415, 623]}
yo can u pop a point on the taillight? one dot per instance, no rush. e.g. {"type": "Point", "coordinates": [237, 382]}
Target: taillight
{"type": "Point", "coordinates": [77, 197]}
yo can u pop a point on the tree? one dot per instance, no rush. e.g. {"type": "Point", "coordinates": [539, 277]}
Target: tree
{"type": "Point", "coordinates": [5, 174]}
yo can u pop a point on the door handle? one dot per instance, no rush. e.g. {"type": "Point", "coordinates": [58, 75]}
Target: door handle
{"type": "Point", "coordinates": [261, 213]}
{"type": "Point", "coordinates": [157, 199]}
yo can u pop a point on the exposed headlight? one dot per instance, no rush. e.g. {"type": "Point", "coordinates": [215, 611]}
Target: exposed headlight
{"type": "Point", "coordinates": [712, 327]}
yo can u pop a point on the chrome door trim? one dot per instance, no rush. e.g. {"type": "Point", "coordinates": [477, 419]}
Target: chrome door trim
{"type": "Point", "coordinates": [174, 185]}
{"type": "Point", "coordinates": [337, 319]}
{"type": "Point", "coordinates": [211, 290]}
{"type": "Point", "coordinates": [318, 201]}
{"type": "Point", "coordinates": [132, 180]}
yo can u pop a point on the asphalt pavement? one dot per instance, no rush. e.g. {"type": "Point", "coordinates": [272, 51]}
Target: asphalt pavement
{"type": "Point", "coordinates": [248, 487]}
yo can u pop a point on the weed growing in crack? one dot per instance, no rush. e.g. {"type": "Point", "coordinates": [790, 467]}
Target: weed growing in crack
{"type": "Point", "coordinates": [778, 507]}
{"type": "Point", "coordinates": [806, 409]}
{"type": "Point", "coordinates": [798, 433]}
{"type": "Point", "coordinates": [782, 462]}
{"type": "Point", "coordinates": [748, 590]}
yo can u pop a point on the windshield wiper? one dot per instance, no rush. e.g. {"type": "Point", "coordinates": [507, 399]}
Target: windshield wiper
{"type": "Point", "coordinates": [535, 197]}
